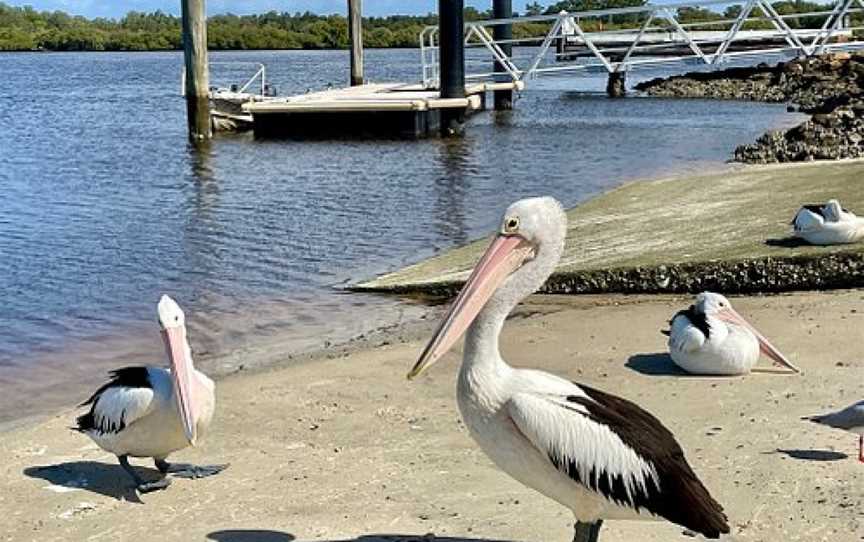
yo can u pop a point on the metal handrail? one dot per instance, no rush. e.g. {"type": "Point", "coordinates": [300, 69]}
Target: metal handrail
{"type": "Point", "coordinates": [261, 74]}
{"type": "Point", "coordinates": [615, 56]}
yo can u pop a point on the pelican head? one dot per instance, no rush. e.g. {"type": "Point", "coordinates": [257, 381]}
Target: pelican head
{"type": "Point", "coordinates": [173, 323]}
{"type": "Point", "coordinates": [710, 304]}
{"type": "Point", "coordinates": [519, 259]}
{"type": "Point", "coordinates": [717, 306]}
{"type": "Point", "coordinates": [833, 211]}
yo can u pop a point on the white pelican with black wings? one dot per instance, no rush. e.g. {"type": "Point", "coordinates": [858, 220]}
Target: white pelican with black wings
{"type": "Point", "coordinates": [152, 411]}
{"type": "Point", "coordinates": [711, 338]}
{"type": "Point", "coordinates": [601, 456]}
{"type": "Point", "coordinates": [828, 224]}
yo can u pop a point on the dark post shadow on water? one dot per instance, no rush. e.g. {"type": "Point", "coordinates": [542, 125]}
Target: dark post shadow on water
{"type": "Point", "coordinates": [203, 224]}
{"type": "Point", "coordinates": [656, 364]}
{"type": "Point", "coordinates": [451, 190]}
{"type": "Point", "coordinates": [811, 455]}
{"type": "Point", "coordinates": [103, 478]}
{"type": "Point", "coordinates": [254, 535]}
{"type": "Point", "coordinates": [787, 242]}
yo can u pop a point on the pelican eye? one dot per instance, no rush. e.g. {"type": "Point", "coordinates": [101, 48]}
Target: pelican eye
{"type": "Point", "coordinates": [511, 225]}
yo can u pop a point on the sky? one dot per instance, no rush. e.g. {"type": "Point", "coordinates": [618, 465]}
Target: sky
{"type": "Point", "coordinates": [118, 8]}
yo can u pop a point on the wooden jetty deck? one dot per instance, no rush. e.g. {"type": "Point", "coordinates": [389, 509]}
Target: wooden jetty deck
{"type": "Point", "coordinates": [382, 109]}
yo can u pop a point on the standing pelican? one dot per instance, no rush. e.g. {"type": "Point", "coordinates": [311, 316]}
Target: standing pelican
{"type": "Point", "coordinates": [849, 419]}
{"type": "Point", "coordinates": [828, 224]}
{"type": "Point", "coordinates": [711, 338]}
{"type": "Point", "coordinates": [153, 412]}
{"type": "Point", "coordinates": [601, 456]}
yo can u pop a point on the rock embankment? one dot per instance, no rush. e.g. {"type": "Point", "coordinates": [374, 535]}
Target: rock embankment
{"type": "Point", "coordinates": [830, 87]}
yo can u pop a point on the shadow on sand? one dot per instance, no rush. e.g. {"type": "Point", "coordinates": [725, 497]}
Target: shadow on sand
{"type": "Point", "coordinates": [254, 535]}
{"type": "Point", "coordinates": [812, 455]}
{"type": "Point", "coordinates": [656, 364]}
{"type": "Point", "coordinates": [103, 478]}
{"type": "Point", "coordinates": [249, 535]}
{"type": "Point", "coordinates": [787, 242]}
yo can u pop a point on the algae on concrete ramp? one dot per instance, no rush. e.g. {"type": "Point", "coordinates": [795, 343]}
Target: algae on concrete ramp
{"type": "Point", "coordinates": [726, 231]}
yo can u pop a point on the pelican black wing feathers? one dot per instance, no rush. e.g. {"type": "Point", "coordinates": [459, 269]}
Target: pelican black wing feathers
{"type": "Point", "coordinates": [126, 377]}
{"type": "Point", "coordinates": [681, 497]}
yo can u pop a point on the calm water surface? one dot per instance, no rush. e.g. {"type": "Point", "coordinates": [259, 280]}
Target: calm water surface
{"type": "Point", "coordinates": [103, 206]}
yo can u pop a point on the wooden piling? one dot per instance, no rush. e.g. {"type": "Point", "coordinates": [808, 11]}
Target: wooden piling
{"type": "Point", "coordinates": [451, 59]}
{"type": "Point", "coordinates": [616, 85]}
{"type": "Point", "coordinates": [503, 9]}
{"type": "Point", "coordinates": [194, 20]}
{"type": "Point", "coordinates": [355, 33]}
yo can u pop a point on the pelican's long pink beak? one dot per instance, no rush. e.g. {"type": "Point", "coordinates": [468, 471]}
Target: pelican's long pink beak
{"type": "Point", "coordinates": [505, 255]}
{"type": "Point", "coordinates": [182, 374]}
{"type": "Point", "coordinates": [730, 315]}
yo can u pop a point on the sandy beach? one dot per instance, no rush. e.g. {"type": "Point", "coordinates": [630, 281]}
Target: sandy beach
{"type": "Point", "coordinates": [345, 449]}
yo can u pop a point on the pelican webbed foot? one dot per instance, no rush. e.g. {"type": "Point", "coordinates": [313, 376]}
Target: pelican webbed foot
{"type": "Point", "coordinates": [185, 470]}
{"type": "Point", "coordinates": [156, 485]}
{"type": "Point", "coordinates": [140, 484]}
{"type": "Point", "coordinates": [587, 532]}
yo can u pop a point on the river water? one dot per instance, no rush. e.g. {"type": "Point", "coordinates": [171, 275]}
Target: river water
{"type": "Point", "coordinates": [103, 206]}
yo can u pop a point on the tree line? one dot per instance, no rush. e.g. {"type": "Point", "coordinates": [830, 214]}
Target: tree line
{"type": "Point", "coordinates": [26, 29]}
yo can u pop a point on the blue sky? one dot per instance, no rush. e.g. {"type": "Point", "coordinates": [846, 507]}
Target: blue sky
{"type": "Point", "coordinates": [115, 8]}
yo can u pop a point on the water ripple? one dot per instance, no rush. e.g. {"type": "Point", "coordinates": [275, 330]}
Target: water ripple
{"type": "Point", "coordinates": [105, 207]}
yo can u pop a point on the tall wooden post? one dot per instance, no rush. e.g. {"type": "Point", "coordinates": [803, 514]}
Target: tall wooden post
{"type": "Point", "coordinates": [503, 9]}
{"type": "Point", "coordinates": [355, 34]}
{"type": "Point", "coordinates": [197, 76]}
{"type": "Point", "coordinates": [451, 59]}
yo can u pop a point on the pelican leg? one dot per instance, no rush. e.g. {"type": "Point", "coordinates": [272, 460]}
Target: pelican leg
{"type": "Point", "coordinates": [185, 470]}
{"type": "Point", "coordinates": [587, 532]}
{"type": "Point", "coordinates": [140, 484]}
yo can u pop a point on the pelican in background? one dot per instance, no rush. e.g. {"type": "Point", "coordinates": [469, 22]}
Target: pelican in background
{"type": "Point", "coordinates": [828, 224]}
{"type": "Point", "coordinates": [153, 412]}
{"type": "Point", "coordinates": [601, 456]}
{"type": "Point", "coordinates": [711, 338]}
{"type": "Point", "coordinates": [849, 419]}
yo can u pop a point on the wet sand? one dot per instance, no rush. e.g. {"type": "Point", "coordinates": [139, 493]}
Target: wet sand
{"type": "Point", "coordinates": [346, 449]}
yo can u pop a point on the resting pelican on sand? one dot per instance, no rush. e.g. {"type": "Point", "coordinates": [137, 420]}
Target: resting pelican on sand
{"type": "Point", "coordinates": [849, 419]}
{"type": "Point", "coordinates": [828, 224]}
{"type": "Point", "coordinates": [153, 412]}
{"type": "Point", "coordinates": [601, 456]}
{"type": "Point", "coordinates": [711, 338]}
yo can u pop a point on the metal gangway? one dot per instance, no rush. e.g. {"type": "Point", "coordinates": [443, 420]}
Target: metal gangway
{"type": "Point", "coordinates": [620, 40]}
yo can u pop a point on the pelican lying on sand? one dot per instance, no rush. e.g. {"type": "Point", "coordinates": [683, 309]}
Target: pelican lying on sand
{"type": "Point", "coordinates": [153, 412]}
{"type": "Point", "coordinates": [601, 456]}
{"type": "Point", "coordinates": [849, 419]}
{"type": "Point", "coordinates": [711, 338]}
{"type": "Point", "coordinates": [828, 224]}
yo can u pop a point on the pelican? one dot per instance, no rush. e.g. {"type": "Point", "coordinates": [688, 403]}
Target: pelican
{"type": "Point", "coordinates": [599, 455]}
{"type": "Point", "coordinates": [849, 419]}
{"type": "Point", "coordinates": [828, 224]}
{"type": "Point", "coordinates": [153, 412]}
{"type": "Point", "coordinates": [711, 338]}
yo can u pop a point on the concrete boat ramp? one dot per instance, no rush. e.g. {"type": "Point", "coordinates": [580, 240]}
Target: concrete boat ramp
{"type": "Point", "coordinates": [727, 232]}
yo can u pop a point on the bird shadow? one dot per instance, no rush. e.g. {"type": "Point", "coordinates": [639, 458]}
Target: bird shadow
{"type": "Point", "coordinates": [787, 242]}
{"type": "Point", "coordinates": [102, 478]}
{"type": "Point", "coordinates": [254, 535]}
{"type": "Point", "coordinates": [250, 535]}
{"type": "Point", "coordinates": [656, 364]}
{"type": "Point", "coordinates": [812, 455]}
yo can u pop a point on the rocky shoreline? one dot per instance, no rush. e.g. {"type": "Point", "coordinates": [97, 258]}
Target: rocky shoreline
{"type": "Point", "coordinates": [830, 87]}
